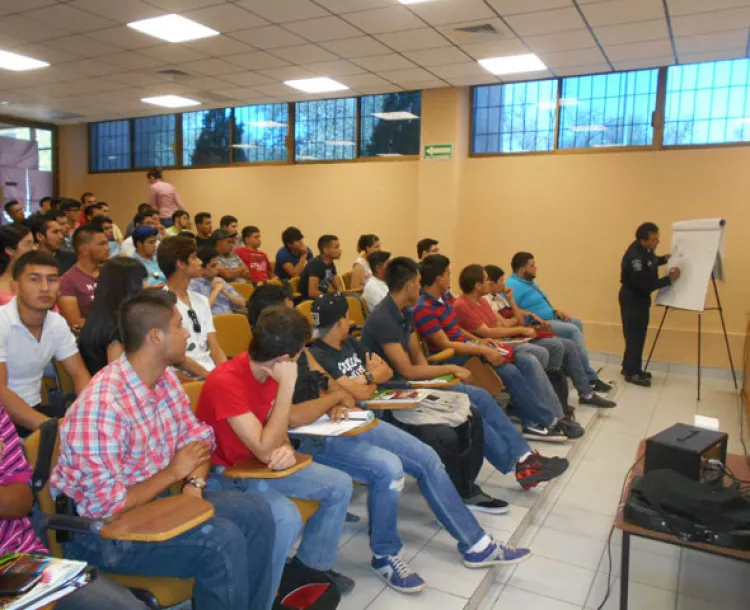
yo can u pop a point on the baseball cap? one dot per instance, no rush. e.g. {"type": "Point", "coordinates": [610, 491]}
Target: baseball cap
{"type": "Point", "coordinates": [143, 233]}
{"type": "Point", "coordinates": [328, 309]}
{"type": "Point", "coordinates": [221, 234]}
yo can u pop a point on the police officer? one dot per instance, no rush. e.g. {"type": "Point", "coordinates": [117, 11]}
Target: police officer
{"type": "Point", "coordinates": [639, 275]}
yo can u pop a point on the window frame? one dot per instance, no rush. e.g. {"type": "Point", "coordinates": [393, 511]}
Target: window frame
{"type": "Point", "coordinates": [133, 142]}
{"type": "Point", "coordinates": [15, 121]}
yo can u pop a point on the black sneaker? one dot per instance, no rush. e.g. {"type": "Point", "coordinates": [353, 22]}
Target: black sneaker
{"type": "Point", "coordinates": [343, 583]}
{"type": "Point", "coordinates": [646, 374]}
{"type": "Point", "coordinates": [597, 401]}
{"type": "Point", "coordinates": [599, 386]}
{"type": "Point", "coordinates": [482, 503]}
{"type": "Point", "coordinates": [536, 432]}
{"type": "Point", "coordinates": [537, 469]}
{"type": "Point", "coordinates": [638, 379]}
{"type": "Point", "coordinates": [571, 429]}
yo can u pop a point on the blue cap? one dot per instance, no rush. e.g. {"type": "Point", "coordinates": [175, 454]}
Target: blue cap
{"type": "Point", "coordinates": [143, 233]}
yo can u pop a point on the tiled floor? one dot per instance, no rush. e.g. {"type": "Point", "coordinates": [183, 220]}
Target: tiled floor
{"type": "Point", "coordinates": [566, 525]}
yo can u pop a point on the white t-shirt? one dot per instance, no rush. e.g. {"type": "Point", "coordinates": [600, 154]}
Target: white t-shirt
{"type": "Point", "coordinates": [197, 348]}
{"type": "Point", "coordinates": [496, 301]}
{"type": "Point", "coordinates": [361, 260]}
{"type": "Point", "coordinates": [127, 248]}
{"type": "Point", "coordinates": [375, 291]}
{"type": "Point", "coordinates": [25, 357]}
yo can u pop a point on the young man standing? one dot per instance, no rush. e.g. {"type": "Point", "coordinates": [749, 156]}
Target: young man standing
{"type": "Point", "coordinates": [427, 247]}
{"type": "Point", "coordinates": [49, 238]}
{"type": "Point", "coordinates": [247, 402]}
{"type": "Point", "coordinates": [222, 297]}
{"type": "Point", "coordinates": [293, 255]}
{"type": "Point", "coordinates": [129, 437]}
{"type": "Point", "coordinates": [144, 239]}
{"type": "Point", "coordinates": [178, 260]}
{"type": "Point", "coordinates": [376, 289]}
{"type": "Point", "coordinates": [180, 223]}
{"type": "Point", "coordinates": [203, 229]}
{"type": "Point", "coordinates": [231, 267]}
{"type": "Point", "coordinates": [30, 336]}
{"type": "Point", "coordinates": [78, 285]}
{"type": "Point", "coordinates": [251, 254]}
{"type": "Point", "coordinates": [320, 273]}
{"type": "Point", "coordinates": [389, 332]}
{"type": "Point", "coordinates": [163, 197]}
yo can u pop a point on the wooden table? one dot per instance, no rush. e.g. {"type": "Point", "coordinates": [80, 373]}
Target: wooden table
{"type": "Point", "coordinates": [741, 469]}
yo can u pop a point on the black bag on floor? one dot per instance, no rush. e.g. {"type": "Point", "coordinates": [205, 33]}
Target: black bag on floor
{"type": "Point", "coordinates": [305, 589]}
{"type": "Point", "coordinates": [559, 383]}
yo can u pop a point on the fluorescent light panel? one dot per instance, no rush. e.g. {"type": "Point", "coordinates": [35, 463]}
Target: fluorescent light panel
{"type": "Point", "coordinates": [512, 64]}
{"type": "Point", "coordinates": [170, 101]}
{"type": "Point", "coordinates": [316, 85]}
{"type": "Point", "coordinates": [19, 63]}
{"type": "Point", "coordinates": [395, 116]}
{"type": "Point", "coordinates": [173, 28]}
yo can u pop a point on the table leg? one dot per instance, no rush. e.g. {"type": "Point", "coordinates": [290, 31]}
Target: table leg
{"type": "Point", "coordinates": [625, 571]}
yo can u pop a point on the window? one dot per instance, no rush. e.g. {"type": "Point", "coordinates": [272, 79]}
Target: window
{"type": "Point", "coordinates": [44, 141]}
{"type": "Point", "coordinates": [708, 103]}
{"type": "Point", "coordinates": [109, 146]}
{"type": "Point", "coordinates": [608, 109]}
{"type": "Point", "coordinates": [517, 117]}
{"type": "Point", "coordinates": [205, 137]}
{"type": "Point", "coordinates": [390, 124]}
{"type": "Point", "coordinates": [154, 141]}
{"type": "Point", "coordinates": [18, 133]}
{"type": "Point", "coordinates": [326, 130]}
{"type": "Point", "coordinates": [259, 133]}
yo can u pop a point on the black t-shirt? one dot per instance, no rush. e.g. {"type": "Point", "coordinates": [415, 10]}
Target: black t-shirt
{"type": "Point", "coordinates": [387, 324]}
{"type": "Point", "coordinates": [349, 361]}
{"type": "Point", "coordinates": [93, 346]}
{"type": "Point", "coordinates": [325, 272]}
{"type": "Point", "coordinates": [203, 241]}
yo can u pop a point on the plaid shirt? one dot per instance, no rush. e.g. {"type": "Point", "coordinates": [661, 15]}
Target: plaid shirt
{"type": "Point", "coordinates": [431, 316]}
{"type": "Point", "coordinates": [119, 433]}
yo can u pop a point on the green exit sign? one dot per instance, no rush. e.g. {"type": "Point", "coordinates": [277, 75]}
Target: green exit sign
{"type": "Point", "coordinates": [438, 151]}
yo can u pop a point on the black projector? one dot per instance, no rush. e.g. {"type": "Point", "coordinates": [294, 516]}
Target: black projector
{"type": "Point", "coordinates": [687, 450]}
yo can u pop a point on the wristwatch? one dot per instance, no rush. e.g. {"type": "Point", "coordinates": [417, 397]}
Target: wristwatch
{"type": "Point", "coordinates": [198, 482]}
{"type": "Point", "coordinates": [369, 378]}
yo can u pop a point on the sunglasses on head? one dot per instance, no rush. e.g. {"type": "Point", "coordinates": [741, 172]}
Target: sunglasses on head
{"type": "Point", "coordinates": [194, 319]}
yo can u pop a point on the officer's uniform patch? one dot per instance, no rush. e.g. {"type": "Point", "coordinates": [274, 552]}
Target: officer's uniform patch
{"type": "Point", "coordinates": [637, 265]}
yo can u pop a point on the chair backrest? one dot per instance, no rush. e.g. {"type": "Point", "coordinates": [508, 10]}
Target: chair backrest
{"type": "Point", "coordinates": [245, 289]}
{"type": "Point", "coordinates": [193, 390]}
{"type": "Point", "coordinates": [233, 333]}
{"type": "Point", "coordinates": [293, 284]}
{"type": "Point", "coordinates": [356, 313]}
{"type": "Point", "coordinates": [305, 308]}
{"type": "Point", "coordinates": [365, 308]}
{"type": "Point", "coordinates": [347, 279]}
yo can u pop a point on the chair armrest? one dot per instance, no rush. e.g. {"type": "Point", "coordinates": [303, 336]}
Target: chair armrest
{"type": "Point", "coordinates": [435, 386]}
{"type": "Point", "coordinates": [353, 291]}
{"type": "Point", "coordinates": [253, 468]}
{"type": "Point", "coordinates": [159, 520]}
{"type": "Point", "coordinates": [446, 354]}
{"type": "Point", "coordinates": [72, 523]}
{"type": "Point", "coordinates": [396, 406]}
{"type": "Point", "coordinates": [362, 429]}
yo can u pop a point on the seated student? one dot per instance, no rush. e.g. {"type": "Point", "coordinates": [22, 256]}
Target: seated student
{"type": "Point", "coordinates": [129, 437]}
{"type": "Point", "coordinates": [231, 224]}
{"type": "Point", "coordinates": [389, 332]}
{"type": "Point", "coordinates": [142, 209]}
{"type": "Point", "coordinates": [376, 289]}
{"type": "Point", "coordinates": [90, 212]}
{"type": "Point", "coordinates": [180, 223]}
{"type": "Point", "coordinates": [18, 536]}
{"type": "Point", "coordinates": [141, 219]}
{"type": "Point", "coordinates": [100, 341]}
{"type": "Point", "coordinates": [251, 254]}
{"type": "Point", "coordinates": [116, 232]}
{"type": "Point", "coordinates": [72, 210]}
{"type": "Point", "coordinates": [361, 271]}
{"type": "Point", "coordinates": [77, 285]}
{"type": "Point", "coordinates": [15, 241]}
{"type": "Point", "coordinates": [105, 224]}
{"type": "Point", "coordinates": [179, 261]}
{"type": "Point", "coordinates": [87, 200]}
{"type": "Point", "coordinates": [320, 274]}
{"type": "Point", "coordinates": [531, 298]}
{"type": "Point", "coordinates": [15, 211]}
{"type": "Point", "coordinates": [230, 268]}
{"type": "Point", "coordinates": [144, 240]}
{"type": "Point", "coordinates": [203, 229]}
{"type": "Point", "coordinates": [293, 255]}
{"type": "Point", "coordinates": [49, 238]}
{"type": "Point", "coordinates": [247, 401]}
{"type": "Point", "coordinates": [221, 296]}
{"type": "Point", "coordinates": [379, 458]}
{"type": "Point", "coordinates": [427, 247]}
{"type": "Point", "coordinates": [30, 336]}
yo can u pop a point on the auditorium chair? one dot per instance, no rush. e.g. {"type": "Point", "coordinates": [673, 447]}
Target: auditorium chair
{"type": "Point", "coordinates": [233, 333]}
{"type": "Point", "coordinates": [245, 289]}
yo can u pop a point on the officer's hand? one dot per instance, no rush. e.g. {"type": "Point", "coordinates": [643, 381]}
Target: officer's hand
{"type": "Point", "coordinates": [674, 273]}
{"type": "Point", "coordinates": [666, 257]}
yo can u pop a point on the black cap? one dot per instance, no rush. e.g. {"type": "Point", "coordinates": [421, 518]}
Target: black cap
{"type": "Point", "coordinates": [221, 234]}
{"type": "Point", "coordinates": [329, 309]}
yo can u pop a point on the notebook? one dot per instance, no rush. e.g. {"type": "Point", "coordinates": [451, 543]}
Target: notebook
{"type": "Point", "coordinates": [60, 577]}
{"type": "Point", "coordinates": [323, 426]}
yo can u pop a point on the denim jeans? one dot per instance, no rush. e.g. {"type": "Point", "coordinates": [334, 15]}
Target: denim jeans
{"type": "Point", "coordinates": [320, 538]}
{"type": "Point", "coordinates": [573, 368]}
{"type": "Point", "coordinates": [379, 458]}
{"type": "Point", "coordinates": [555, 351]}
{"type": "Point", "coordinates": [228, 555]}
{"type": "Point", "coordinates": [532, 368]}
{"type": "Point", "coordinates": [573, 330]}
{"type": "Point", "coordinates": [101, 594]}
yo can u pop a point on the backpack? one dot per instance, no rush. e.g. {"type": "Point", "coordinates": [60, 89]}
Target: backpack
{"type": "Point", "coordinates": [299, 590]}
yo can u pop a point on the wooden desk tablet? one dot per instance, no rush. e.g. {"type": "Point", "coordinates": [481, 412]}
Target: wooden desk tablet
{"type": "Point", "coordinates": [253, 468]}
{"type": "Point", "coordinates": [362, 429]}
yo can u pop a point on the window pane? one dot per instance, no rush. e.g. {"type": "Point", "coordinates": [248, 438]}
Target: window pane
{"type": "Point", "coordinates": [154, 143]}
{"type": "Point", "coordinates": [326, 130]}
{"type": "Point", "coordinates": [109, 148]}
{"type": "Point", "coordinates": [205, 137]}
{"type": "Point", "coordinates": [390, 124]}
{"type": "Point", "coordinates": [44, 141]}
{"type": "Point", "coordinates": [608, 110]}
{"type": "Point", "coordinates": [708, 103]}
{"type": "Point", "coordinates": [259, 133]}
{"type": "Point", "coordinates": [18, 133]}
{"type": "Point", "coordinates": [517, 117]}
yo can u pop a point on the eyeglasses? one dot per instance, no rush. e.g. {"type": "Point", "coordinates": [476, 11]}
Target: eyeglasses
{"type": "Point", "coordinates": [194, 320]}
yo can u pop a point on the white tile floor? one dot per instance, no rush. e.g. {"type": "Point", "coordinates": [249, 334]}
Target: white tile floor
{"type": "Point", "coordinates": [567, 524]}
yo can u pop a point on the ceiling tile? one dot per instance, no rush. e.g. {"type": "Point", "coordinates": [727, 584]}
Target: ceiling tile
{"type": "Point", "coordinates": [437, 57]}
{"type": "Point", "coordinates": [705, 23]}
{"type": "Point", "coordinates": [514, 7]}
{"type": "Point", "coordinates": [544, 22]}
{"type": "Point", "coordinates": [452, 32]}
{"type": "Point", "coordinates": [418, 85]}
{"type": "Point", "coordinates": [644, 63]}
{"type": "Point", "coordinates": [17, 6]}
{"type": "Point", "coordinates": [124, 37]}
{"type": "Point", "coordinates": [392, 61]}
{"type": "Point", "coordinates": [225, 18]}
{"type": "Point", "coordinates": [326, 28]}
{"type": "Point", "coordinates": [403, 77]}
{"type": "Point", "coordinates": [711, 42]}
{"type": "Point", "coordinates": [689, 58]}
{"type": "Point", "coordinates": [351, 6]}
{"type": "Point", "coordinates": [70, 18]}
{"type": "Point", "coordinates": [361, 46]}
{"type": "Point", "coordinates": [355, 81]}
{"type": "Point", "coordinates": [560, 41]}
{"type": "Point", "coordinates": [132, 61]}
{"type": "Point", "coordinates": [268, 37]}
{"type": "Point", "coordinates": [217, 46]}
{"type": "Point", "coordinates": [122, 11]}
{"type": "Point", "coordinates": [276, 89]}
{"type": "Point", "coordinates": [212, 67]}
{"type": "Point", "coordinates": [470, 68]}
{"type": "Point", "coordinates": [256, 60]}
{"type": "Point", "coordinates": [622, 11]}
{"type": "Point", "coordinates": [83, 68]}
{"type": "Point", "coordinates": [388, 19]}
{"type": "Point", "coordinates": [246, 79]}
{"type": "Point", "coordinates": [304, 54]}
{"type": "Point", "coordinates": [282, 11]}
{"type": "Point", "coordinates": [22, 29]}
{"type": "Point", "coordinates": [238, 93]}
{"type": "Point", "coordinates": [46, 52]}
{"type": "Point", "coordinates": [80, 45]}
{"type": "Point", "coordinates": [499, 48]}
{"type": "Point", "coordinates": [334, 68]}
{"type": "Point", "coordinates": [414, 40]}
{"type": "Point", "coordinates": [173, 53]}
{"type": "Point", "coordinates": [379, 90]}
{"type": "Point", "coordinates": [586, 69]}
{"type": "Point", "coordinates": [178, 6]}
{"type": "Point", "coordinates": [136, 79]}
{"type": "Point", "coordinates": [466, 81]}
{"type": "Point", "coordinates": [652, 48]}
{"type": "Point", "coordinates": [688, 7]}
{"type": "Point", "coordinates": [442, 13]}
{"type": "Point", "coordinates": [653, 29]}
{"type": "Point", "coordinates": [576, 57]}
{"type": "Point", "coordinates": [541, 75]}
{"type": "Point", "coordinates": [287, 73]}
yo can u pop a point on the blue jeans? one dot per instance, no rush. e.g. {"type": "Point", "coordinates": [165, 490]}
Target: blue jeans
{"type": "Point", "coordinates": [573, 368]}
{"type": "Point", "coordinates": [228, 555]}
{"type": "Point", "coordinates": [320, 539]}
{"type": "Point", "coordinates": [573, 330]}
{"type": "Point", "coordinates": [532, 368]}
{"type": "Point", "coordinates": [379, 458]}
{"type": "Point", "coordinates": [100, 594]}
{"type": "Point", "coordinates": [555, 351]}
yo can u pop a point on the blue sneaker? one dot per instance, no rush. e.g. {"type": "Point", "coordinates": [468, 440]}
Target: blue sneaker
{"type": "Point", "coordinates": [496, 554]}
{"type": "Point", "coordinates": [397, 574]}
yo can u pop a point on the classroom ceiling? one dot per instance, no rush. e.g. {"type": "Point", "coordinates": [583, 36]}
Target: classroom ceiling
{"type": "Point", "coordinates": [100, 69]}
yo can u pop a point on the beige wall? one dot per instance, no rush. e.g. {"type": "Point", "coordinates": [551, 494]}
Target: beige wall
{"type": "Point", "coordinates": [575, 212]}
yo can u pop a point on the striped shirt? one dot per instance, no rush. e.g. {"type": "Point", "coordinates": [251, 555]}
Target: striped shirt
{"type": "Point", "coordinates": [16, 535]}
{"type": "Point", "coordinates": [432, 315]}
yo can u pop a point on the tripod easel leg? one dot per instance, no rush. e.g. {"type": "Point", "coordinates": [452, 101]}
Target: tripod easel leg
{"type": "Point", "coordinates": [656, 338]}
{"type": "Point", "coordinates": [700, 320]}
{"type": "Point", "coordinates": [724, 329]}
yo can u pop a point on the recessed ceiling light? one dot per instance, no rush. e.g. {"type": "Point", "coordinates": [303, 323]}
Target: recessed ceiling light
{"type": "Point", "coordinates": [170, 101]}
{"type": "Point", "coordinates": [19, 63]}
{"type": "Point", "coordinates": [266, 124]}
{"type": "Point", "coordinates": [173, 28]}
{"type": "Point", "coordinates": [316, 85]}
{"type": "Point", "coordinates": [395, 116]}
{"type": "Point", "coordinates": [513, 64]}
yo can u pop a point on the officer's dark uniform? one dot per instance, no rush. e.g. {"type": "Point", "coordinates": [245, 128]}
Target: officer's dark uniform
{"type": "Point", "coordinates": [639, 276]}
